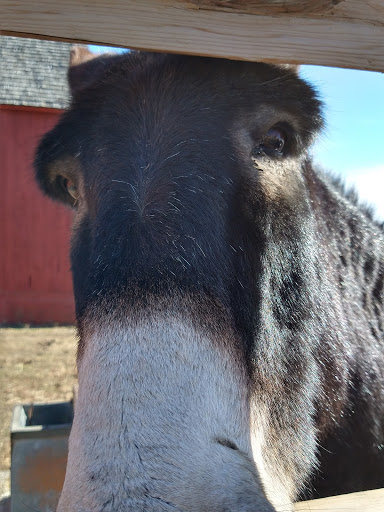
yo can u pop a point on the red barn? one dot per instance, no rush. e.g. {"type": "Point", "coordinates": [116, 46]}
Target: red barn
{"type": "Point", "coordinates": [35, 278]}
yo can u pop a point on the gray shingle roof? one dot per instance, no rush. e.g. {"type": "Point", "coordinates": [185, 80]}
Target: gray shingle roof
{"type": "Point", "coordinates": [33, 72]}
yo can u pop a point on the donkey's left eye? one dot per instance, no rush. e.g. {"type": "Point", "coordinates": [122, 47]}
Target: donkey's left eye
{"type": "Point", "coordinates": [271, 144]}
{"type": "Point", "coordinates": [274, 140]}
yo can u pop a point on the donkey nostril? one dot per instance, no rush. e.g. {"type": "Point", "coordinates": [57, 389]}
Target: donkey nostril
{"type": "Point", "coordinates": [227, 443]}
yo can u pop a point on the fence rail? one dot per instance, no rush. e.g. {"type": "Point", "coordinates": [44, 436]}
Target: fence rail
{"type": "Point", "coordinates": [324, 32]}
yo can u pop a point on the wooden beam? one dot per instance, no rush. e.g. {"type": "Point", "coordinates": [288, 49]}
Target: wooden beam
{"type": "Point", "coordinates": [367, 501]}
{"type": "Point", "coordinates": [324, 32]}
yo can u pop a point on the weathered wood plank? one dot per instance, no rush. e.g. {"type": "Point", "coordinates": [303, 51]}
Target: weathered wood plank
{"type": "Point", "coordinates": [367, 501]}
{"type": "Point", "coordinates": [350, 34]}
{"type": "Point", "coordinates": [268, 7]}
{"type": "Point", "coordinates": [371, 10]}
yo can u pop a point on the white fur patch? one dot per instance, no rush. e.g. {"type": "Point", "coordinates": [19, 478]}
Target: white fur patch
{"type": "Point", "coordinates": [154, 399]}
{"type": "Point", "coordinates": [278, 487]}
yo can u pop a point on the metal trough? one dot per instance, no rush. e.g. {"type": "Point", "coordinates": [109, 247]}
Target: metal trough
{"type": "Point", "coordinates": [39, 443]}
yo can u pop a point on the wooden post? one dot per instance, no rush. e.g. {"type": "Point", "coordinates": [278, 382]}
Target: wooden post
{"type": "Point", "coordinates": [367, 501]}
{"type": "Point", "coordinates": [348, 33]}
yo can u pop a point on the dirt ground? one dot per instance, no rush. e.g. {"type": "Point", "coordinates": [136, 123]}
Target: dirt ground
{"type": "Point", "coordinates": [36, 365]}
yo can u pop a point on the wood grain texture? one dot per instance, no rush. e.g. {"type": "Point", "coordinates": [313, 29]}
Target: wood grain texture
{"type": "Point", "coordinates": [268, 7]}
{"type": "Point", "coordinates": [367, 501]}
{"type": "Point", "coordinates": [371, 11]}
{"type": "Point", "coordinates": [350, 35]}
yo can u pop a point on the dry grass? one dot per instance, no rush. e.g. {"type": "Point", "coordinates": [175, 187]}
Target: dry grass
{"type": "Point", "coordinates": [36, 365]}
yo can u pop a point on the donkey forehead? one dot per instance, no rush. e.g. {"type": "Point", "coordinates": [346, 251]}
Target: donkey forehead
{"type": "Point", "coordinates": [141, 93]}
{"type": "Point", "coordinates": [167, 111]}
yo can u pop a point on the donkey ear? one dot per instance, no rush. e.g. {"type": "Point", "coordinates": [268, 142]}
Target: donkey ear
{"type": "Point", "coordinates": [80, 54]}
{"type": "Point", "coordinates": [55, 164]}
{"type": "Point", "coordinates": [84, 68]}
{"type": "Point", "coordinates": [295, 68]}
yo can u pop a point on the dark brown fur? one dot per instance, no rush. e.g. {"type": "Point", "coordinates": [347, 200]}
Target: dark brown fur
{"type": "Point", "coordinates": [172, 201]}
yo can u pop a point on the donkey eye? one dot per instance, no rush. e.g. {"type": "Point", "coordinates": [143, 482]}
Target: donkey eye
{"type": "Point", "coordinates": [274, 140]}
{"type": "Point", "coordinates": [271, 144]}
{"type": "Point", "coordinates": [72, 189]}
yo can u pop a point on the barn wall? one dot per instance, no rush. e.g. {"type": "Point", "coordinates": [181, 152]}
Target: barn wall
{"type": "Point", "coordinates": [35, 279]}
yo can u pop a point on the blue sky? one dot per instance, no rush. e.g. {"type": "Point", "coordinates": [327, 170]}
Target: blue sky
{"type": "Point", "coordinates": [353, 142]}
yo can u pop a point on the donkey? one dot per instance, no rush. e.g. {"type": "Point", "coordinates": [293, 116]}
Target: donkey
{"type": "Point", "coordinates": [229, 296]}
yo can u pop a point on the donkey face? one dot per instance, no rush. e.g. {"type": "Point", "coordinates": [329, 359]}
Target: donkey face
{"type": "Point", "coordinates": [183, 173]}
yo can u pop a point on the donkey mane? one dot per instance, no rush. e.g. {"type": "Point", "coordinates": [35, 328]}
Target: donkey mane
{"type": "Point", "coordinates": [351, 193]}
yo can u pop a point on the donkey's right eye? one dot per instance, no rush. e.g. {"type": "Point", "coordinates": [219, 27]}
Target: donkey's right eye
{"type": "Point", "coordinates": [71, 188]}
